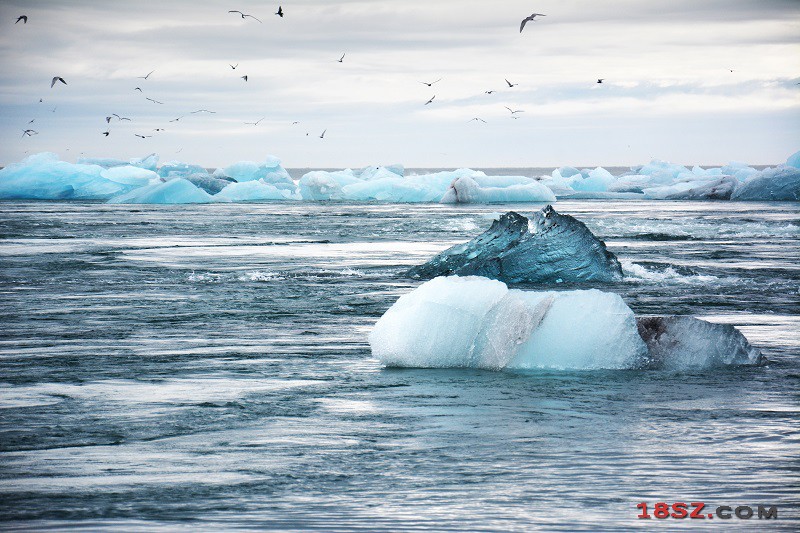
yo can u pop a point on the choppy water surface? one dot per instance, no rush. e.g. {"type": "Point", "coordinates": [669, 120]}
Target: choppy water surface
{"type": "Point", "coordinates": [207, 366]}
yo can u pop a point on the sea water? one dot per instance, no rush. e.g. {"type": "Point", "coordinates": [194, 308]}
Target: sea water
{"type": "Point", "coordinates": [208, 367]}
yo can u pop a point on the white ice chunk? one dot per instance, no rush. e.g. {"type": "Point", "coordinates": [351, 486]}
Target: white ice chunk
{"type": "Point", "coordinates": [253, 191]}
{"type": "Point", "coordinates": [468, 190]}
{"type": "Point", "coordinates": [176, 191]}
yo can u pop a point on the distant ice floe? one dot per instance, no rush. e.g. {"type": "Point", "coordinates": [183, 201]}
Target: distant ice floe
{"type": "Point", "coordinates": [475, 322]}
{"type": "Point", "coordinates": [141, 180]}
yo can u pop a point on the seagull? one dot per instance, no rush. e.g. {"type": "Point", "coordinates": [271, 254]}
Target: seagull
{"type": "Point", "coordinates": [202, 111]}
{"type": "Point", "coordinates": [244, 77]}
{"type": "Point", "coordinates": [526, 19]}
{"type": "Point", "coordinates": [40, 100]}
{"type": "Point", "coordinates": [431, 100]}
{"type": "Point", "coordinates": [106, 133]}
{"type": "Point", "coordinates": [30, 133]}
{"type": "Point", "coordinates": [256, 122]}
{"type": "Point", "coordinates": [31, 121]}
{"type": "Point", "coordinates": [279, 12]}
{"type": "Point", "coordinates": [55, 79]}
{"type": "Point", "coordinates": [233, 66]}
{"type": "Point", "coordinates": [323, 133]}
{"type": "Point", "coordinates": [431, 83]}
{"type": "Point", "coordinates": [510, 85]}
{"type": "Point", "coordinates": [159, 129]}
{"type": "Point", "coordinates": [243, 15]}
{"type": "Point", "coordinates": [23, 18]}
{"type": "Point", "coordinates": [600, 80]}
{"type": "Point", "coordinates": [514, 112]}
{"type": "Point", "coordinates": [145, 77]}
{"type": "Point", "coordinates": [138, 89]}
{"type": "Point", "coordinates": [154, 101]}
{"type": "Point", "coordinates": [108, 120]}
{"type": "Point", "coordinates": [120, 118]}
{"type": "Point", "coordinates": [490, 92]}
{"type": "Point", "coordinates": [341, 59]}
{"type": "Point", "coordinates": [476, 118]}
{"type": "Point", "coordinates": [295, 122]}
{"type": "Point", "coordinates": [176, 119]}
{"type": "Point", "coordinates": [143, 136]}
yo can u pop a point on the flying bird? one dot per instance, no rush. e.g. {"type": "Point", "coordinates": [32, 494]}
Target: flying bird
{"type": "Point", "coordinates": [143, 136]}
{"type": "Point", "coordinates": [120, 118]}
{"type": "Point", "coordinates": [159, 129]}
{"type": "Point", "coordinates": [514, 112]}
{"type": "Point", "coordinates": [244, 77]}
{"type": "Point", "coordinates": [526, 19]}
{"type": "Point", "coordinates": [600, 80]}
{"type": "Point", "coordinates": [31, 121]}
{"type": "Point", "coordinates": [431, 100]}
{"type": "Point", "coordinates": [256, 122]}
{"type": "Point", "coordinates": [108, 120]}
{"type": "Point", "coordinates": [138, 89]}
{"type": "Point", "coordinates": [323, 133]}
{"type": "Point", "coordinates": [279, 12]}
{"type": "Point", "coordinates": [145, 77]}
{"type": "Point", "coordinates": [55, 79]}
{"type": "Point", "coordinates": [233, 66]}
{"type": "Point", "coordinates": [154, 101]}
{"type": "Point", "coordinates": [23, 18]}
{"type": "Point", "coordinates": [490, 92]}
{"type": "Point", "coordinates": [176, 119]}
{"type": "Point", "coordinates": [431, 83]}
{"type": "Point", "coordinates": [202, 111]}
{"type": "Point", "coordinates": [30, 133]}
{"type": "Point", "coordinates": [476, 118]}
{"type": "Point", "coordinates": [106, 133]}
{"type": "Point", "coordinates": [341, 59]}
{"type": "Point", "coordinates": [295, 122]}
{"type": "Point", "coordinates": [243, 15]}
{"type": "Point", "coordinates": [511, 85]}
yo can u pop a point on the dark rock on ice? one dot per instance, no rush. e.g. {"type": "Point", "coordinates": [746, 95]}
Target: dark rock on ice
{"type": "Point", "coordinates": [548, 247]}
{"type": "Point", "coordinates": [683, 342]}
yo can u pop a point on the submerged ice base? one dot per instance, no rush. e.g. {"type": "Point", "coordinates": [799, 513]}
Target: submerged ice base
{"type": "Point", "coordinates": [475, 322]}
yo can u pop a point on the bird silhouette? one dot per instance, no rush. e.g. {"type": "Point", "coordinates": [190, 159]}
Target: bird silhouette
{"type": "Point", "coordinates": [106, 133]}
{"type": "Point", "coordinates": [526, 19]}
{"type": "Point", "coordinates": [143, 136]}
{"type": "Point", "coordinates": [431, 83]}
{"type": "Point", "coordinates": [514, 112]}
{"type": "Point", "coordinates": [511, 85]}
{"type": "Point", "coordinates": [243, 15]}
{"type": "Point", "coordinates": [234, 66]}
{"type": "Point", "coordinates": [600, 80]}
{"type": "Point", "coordinates": [145, 77]}
{"type": "Point", "coordinates": [323, 133]}
{"type": "Point", "coordinates": [120, 118]}
{"type": "Point", "coordinates": [29, 133]}
{"type": "Point", "coordinates": [202, 111]}
{"type": "Point", "coordinates": [431, 100]}
{"type": "Point", "coordinates": [23, 18]}
{"type": "Point", "coordinates": [154, 101]}
{"type": "Point", "coordinates": [176, 119]}
{"type": "Point", "coordinates": [137, 89]}
{"type": "Point", "coordinates": [476, 118]}
{"type": "Point", "coordinates": [244, 77]}
{"type": "Point", "coordinates": [490, 92]}
{"type": "Point", "coordinates": [256, 122]}
{"type": "Point", "coordinates": [56, 79]}
{"type": "Point", "coordinates": [279, 12]}
{"type": "Point", "coordinates": [341, 59]}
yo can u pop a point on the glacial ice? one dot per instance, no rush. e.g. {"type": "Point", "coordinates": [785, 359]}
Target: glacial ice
{"type": "Point", "coordinates": [253, 191]}
{"type": "Point", "coordinates": [475, 322]}
{"type": "Point", "coordinates": [547, 247]}
{"type": "Point", "coordinates": [43, 176]}
{"type": "Point", "coordinates": [175, 191]}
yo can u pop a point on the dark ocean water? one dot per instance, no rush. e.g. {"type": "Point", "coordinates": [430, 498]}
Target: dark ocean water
{"type": "Point", "coordinates": [185, 367]}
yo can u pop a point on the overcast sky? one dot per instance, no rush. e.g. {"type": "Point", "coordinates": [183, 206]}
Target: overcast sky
{"type": "Point", "coordinates": [668, 93]}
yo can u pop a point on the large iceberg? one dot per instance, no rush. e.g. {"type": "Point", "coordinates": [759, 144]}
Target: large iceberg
{"type": "Point", "coordinates": [175, 191]}
{"type": "Point", "coordinates": [501, 190]}
{"type": "Point", "coordinates": [270, 171]}
{"type": "Point", "coordinates": [771, 184]}
{"type": "Point", "coordinates": [475, 322]}
{"type": "Point", "coordinates": [548, 247]}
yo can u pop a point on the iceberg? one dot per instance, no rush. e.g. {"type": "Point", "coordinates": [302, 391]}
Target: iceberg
{"type": "Point", "coordinates": [44, 177]}
{"type": "Point", "coordinates": [548, 247]}
{"type": "Point", "coordinates": [793, 160]}
{"type": "Point", "coordinates": [321, 185]}
{"type": "Point", "coordinates": [129, 175]}
{"type": "Point", "coordinates": [270, 171]}
{"type": "Point", "coordinates": [771, 184]}
{"type": "Point", "coordinates": [507, 189]}
{"type": "Point", "coordinates": [253, 191]}
{"type": "Point", "coordinates": [681, 342]}
{"type": "Point", "coordinates": [474, 322]}
{"type": "Point", "coordinates": [715, 189]}
{"type": "Point", "coordinates": [175, 191]}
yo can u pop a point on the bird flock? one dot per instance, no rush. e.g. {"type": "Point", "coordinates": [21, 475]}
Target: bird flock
{"type": "Point", "coordinates": [245, 77]}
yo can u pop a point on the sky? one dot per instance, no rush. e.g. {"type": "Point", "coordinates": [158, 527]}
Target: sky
{"type": "Point", "coordinates": [668, 90]}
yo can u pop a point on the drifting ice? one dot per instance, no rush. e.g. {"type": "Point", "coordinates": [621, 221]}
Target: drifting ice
{"type": "Point", "coordinates": [43, 176]}
{"type": "Point", "coordinates": [475, 322]}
